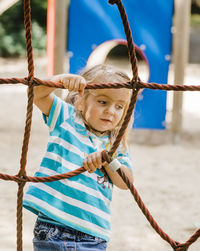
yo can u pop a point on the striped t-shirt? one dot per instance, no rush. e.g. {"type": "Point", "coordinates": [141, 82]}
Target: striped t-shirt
{"type": "Point", "coordinates": [80, 202]}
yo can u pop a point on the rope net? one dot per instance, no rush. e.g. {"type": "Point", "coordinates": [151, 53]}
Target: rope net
{"type": "Point", "coordinates": [135, 84]}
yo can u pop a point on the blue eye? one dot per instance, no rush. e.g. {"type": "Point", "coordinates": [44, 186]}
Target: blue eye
{"type": "Point", "coordinates": [119, 107]}
{"type": "Point", "coordinates": [102, 102]}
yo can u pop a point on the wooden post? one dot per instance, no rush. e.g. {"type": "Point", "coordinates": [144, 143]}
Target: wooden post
{"type": "Point", "coordinates": [61, 17]}
{"type": "Point", "coordinates": [180, 58]}
{"type": "Point", "coordinates": [57, 36]}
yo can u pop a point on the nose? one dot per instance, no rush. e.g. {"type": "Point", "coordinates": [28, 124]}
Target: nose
{"type": "Point", "coordinates": [110, 109]}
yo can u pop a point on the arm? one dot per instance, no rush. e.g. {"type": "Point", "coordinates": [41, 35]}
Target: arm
{"type": "Point", "coordinates": [43, 95]}
{"type": "Point", "coordinates": [43, 98]}
{"type": "Point", "coordinates": [94, 161]}
{"type": "Point", "coordinates": [115, 177]}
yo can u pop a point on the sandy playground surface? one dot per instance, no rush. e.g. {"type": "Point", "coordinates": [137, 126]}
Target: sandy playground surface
{"type": "Point", "coordinates": [166, 175]}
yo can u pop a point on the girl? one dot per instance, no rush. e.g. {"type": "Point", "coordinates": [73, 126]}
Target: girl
{"type": "Point", "coordinates": [74, 214]}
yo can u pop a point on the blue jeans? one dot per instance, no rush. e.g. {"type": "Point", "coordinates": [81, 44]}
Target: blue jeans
{"type": "Point", "coordinates": [48, 237]}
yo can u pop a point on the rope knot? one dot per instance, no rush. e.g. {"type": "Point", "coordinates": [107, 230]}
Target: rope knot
{"type": "Point", "coordinates": [134, 84]}
{"type": "Point", "coordinates": [113, 1]}
{"type": "Point", "coordinates": [30, 80]}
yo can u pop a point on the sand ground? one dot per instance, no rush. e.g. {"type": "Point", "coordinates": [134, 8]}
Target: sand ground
{"type": "Point", "coordinates": [166, 175]}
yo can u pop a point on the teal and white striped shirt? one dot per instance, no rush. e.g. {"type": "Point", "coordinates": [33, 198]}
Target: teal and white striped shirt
{"type": "Point", "coordinates": [79, 202]}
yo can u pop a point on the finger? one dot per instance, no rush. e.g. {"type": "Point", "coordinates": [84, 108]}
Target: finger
{"type": "Point", "coordinates": [85, 165]}
{"type": "Point", "coordinates": [96, 160]}
{"type": "Point", "coordinates": [81, 88]}
{"type": "Point", "coordinates": [65, 82]}
{"type": "Point", "coordinates": [91, 164]}
{"type": "Point", "coordinates": [57, 78]}
{"type": "Point", "coordinates": [71, 85]}
{"type": "Point", "coordinates": [99, 159]}
{"type": "Point", "coordinates": [76, 84]}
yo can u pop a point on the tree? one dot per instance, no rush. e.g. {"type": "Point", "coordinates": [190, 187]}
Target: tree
{"type": "Point", "coordinates": [195, 6]}
{"type": "Point", "coordinates": [12, 29]}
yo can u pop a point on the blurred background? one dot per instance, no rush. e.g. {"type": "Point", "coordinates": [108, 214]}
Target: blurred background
{"type": "Point", "coordinates": [165, 153]}
{"type": "Point", "coordinates": [163, 48]}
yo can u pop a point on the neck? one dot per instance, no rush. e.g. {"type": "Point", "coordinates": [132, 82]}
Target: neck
{"type": "Point", "coordinates": [97, 133]}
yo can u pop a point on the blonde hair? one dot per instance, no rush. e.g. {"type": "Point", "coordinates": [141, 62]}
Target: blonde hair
{"type": "Point", "coordinates": [102, 74]}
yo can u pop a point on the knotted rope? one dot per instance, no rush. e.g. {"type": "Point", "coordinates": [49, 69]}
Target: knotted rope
{"type": "Point", "coordinates": [135, 84]}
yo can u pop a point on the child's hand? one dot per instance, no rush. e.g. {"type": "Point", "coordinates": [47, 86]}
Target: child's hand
{"type": "Point", "coordinates": [71, 82]}
{"type": "Point", "coordinates": [92, 162]}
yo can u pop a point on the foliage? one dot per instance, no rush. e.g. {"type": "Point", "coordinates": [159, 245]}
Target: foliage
{"type": "Point", "coordinates": [195, 7]}
{"type": "Point", "coordinates": [12, 38]}
{"type": "Point", "coordinates": [195, 20]}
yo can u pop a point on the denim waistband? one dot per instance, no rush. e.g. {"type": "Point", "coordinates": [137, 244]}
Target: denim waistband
{"type": "Point", "coordinates": [62, 229]}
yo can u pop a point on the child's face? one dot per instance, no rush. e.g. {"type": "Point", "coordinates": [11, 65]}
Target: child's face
{"type": "Point", "coordinates": [104, 108]}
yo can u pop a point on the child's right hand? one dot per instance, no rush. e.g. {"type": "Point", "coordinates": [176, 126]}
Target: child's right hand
{"type": "Point", "coordinates": [92, 162]}
{"type": "Point", "coordinates": [71, 82]}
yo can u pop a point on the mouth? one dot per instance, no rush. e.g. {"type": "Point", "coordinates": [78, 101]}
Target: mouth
{"type": "Point", "coordinates": [106, 120]}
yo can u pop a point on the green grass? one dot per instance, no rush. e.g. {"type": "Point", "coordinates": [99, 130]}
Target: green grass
{"type": "Point", "coordinates": [195, 20]}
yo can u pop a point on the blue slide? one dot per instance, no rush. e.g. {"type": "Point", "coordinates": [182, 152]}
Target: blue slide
{"type": "Point", "coordinates": [93, 22]}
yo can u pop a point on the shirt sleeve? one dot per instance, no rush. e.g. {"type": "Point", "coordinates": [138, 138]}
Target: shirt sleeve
{"type": "Point", "coordinates": [125, 159]}
{"type": "Point", "coordinates": [58, 114]}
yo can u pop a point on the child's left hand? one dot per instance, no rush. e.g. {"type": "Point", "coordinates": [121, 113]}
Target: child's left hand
{"type": "Point", "coordinates": [92, 162]}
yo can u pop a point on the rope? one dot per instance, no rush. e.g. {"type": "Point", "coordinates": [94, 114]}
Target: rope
{"type": "Point", "coordinates": [140, 85]}
{"type": "Point", "coordinates": [135, 84]}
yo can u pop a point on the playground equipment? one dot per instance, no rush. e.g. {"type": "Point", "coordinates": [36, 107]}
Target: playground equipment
{"type": "Point", "coordinates": [99, 28]}
{"type": "Point", "coordinates": [135, 84]}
